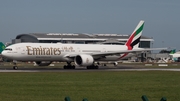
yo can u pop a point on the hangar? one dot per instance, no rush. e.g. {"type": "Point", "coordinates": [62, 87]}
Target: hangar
{"type": "Point", "coordinates": [83, 38]}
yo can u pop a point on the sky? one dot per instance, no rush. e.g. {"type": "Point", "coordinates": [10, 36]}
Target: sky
{"type": "Point", "coordinates": [162, 18]}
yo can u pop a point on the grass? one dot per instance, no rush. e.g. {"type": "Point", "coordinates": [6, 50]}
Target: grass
{"type": "Point", "coordinates": [95, 86]}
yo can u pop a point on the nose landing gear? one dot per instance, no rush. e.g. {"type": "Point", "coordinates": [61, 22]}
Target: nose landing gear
{"type": "Point", "coordinates": [15, 67]}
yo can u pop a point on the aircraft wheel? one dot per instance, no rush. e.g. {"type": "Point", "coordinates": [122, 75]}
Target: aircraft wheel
{"type": "Point", "coordinates": [15, 67]}
{"type": "Point", "coordinates": [88, 67]}
{"type": "Point", "coordinates": [73, 67]}
{"type": "Point", "coordinates": [96, 67]}
{"type": "Point", "coordinates": [92, 67]}
{"type": "Point", "coordinates": [65, 67]}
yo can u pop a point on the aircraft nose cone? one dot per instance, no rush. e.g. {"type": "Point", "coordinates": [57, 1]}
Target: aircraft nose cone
{"type": "Point", "coordinates": [7, 54]}
{"type": "Point", "coordinates": [4, 54]}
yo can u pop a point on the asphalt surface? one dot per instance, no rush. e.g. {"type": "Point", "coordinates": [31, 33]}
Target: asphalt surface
{"type": "Point", "coordinates": [80, 69]}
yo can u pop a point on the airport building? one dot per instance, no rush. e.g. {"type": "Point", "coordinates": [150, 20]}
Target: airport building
{"type": "Point", "coordinates": [80, 38]}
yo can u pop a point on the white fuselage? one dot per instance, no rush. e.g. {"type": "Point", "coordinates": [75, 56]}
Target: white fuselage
{"type": "Point", "coordinates": [175, 55]}
{"type": "Point", "coordinates": [60, 52]}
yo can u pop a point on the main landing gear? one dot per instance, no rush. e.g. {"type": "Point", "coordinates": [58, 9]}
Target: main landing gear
{"type": "Point", "coordinates": [92, 67]}
{"type": "Point", "coordinates": [69, 66]}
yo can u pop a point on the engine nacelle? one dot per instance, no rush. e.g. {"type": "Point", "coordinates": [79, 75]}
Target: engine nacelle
{"type": "Point", "coordinates": [43, 63]}
{"type": "Point", "coordinates": [84, 60]}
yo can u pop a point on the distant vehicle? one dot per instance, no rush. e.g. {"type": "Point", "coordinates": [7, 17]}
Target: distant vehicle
{"type": "Point", "coordinates": [84, 55]}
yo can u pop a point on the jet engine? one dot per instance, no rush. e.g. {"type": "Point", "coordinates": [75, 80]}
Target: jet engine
{"type": "Point", "coordinates": [84, 60]}
{"type": "Point", "coordinates": [43, 63]}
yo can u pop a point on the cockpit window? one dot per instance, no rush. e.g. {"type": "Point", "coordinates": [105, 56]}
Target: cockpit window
{"type": "Point", "coordinates": [8, 49]}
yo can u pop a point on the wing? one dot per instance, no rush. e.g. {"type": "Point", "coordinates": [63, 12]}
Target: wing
{"type": "Point", "coordinates": [126, 51]}
{"type": "Point", "coordinates": [102, 54]}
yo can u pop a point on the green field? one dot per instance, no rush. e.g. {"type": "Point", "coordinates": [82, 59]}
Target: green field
{"type": "Point", "coordinates": [95, 86]}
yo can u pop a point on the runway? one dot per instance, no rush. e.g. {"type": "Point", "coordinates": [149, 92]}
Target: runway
{"type": "Point", "coordinates": [80, 69]}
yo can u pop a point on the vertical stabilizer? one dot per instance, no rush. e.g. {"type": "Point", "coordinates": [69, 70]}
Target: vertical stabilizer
{"type": "Point", "coordinates": [135, 37]}
{"type": "Point", "coordinates": [2, 47]}
{"type": "Point", "coordinates": [173, 51]}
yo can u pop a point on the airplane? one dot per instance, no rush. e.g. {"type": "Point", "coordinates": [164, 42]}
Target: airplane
{"type": "Point", "coordinates": [174, 55]}
{"type": "Point", "coordinates": [84, 55]}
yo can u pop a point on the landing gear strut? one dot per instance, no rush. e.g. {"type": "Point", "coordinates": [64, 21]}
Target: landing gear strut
{"type": "Point", "coordinates": [69, 66]}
